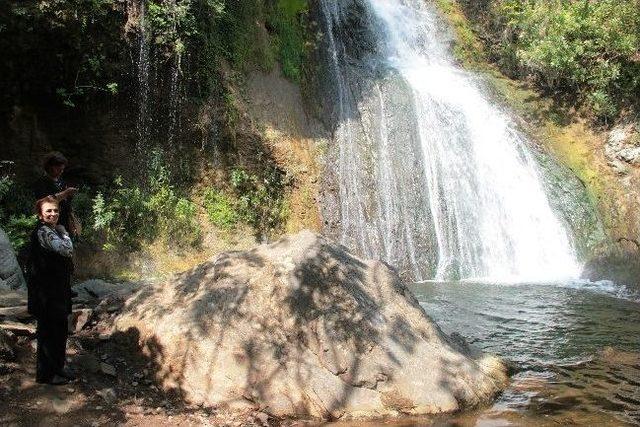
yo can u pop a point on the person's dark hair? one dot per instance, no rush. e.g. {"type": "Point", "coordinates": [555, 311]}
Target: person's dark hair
{"type": "Point", "coordinates": [46, 199]}
{"type": "Point", "coordinates": [54, 158]}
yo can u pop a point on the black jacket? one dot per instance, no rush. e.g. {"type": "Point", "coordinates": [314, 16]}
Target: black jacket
{"type": "Point", "coordinates": [48, 280]}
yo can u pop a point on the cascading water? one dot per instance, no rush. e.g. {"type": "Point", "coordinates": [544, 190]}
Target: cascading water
{"type": "Point", "coordinates": [432, 177]}
{"type": "Point", "coordinates": [142, 125]}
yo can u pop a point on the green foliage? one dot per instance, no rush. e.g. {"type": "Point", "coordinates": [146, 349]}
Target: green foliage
{"type": "Point", "coordinates": [586, 48]}
{"type": "Point", "coordinates": [288, 18]}
{"type": "Point", "coordinates": [220, 209]}
{"type": "Point", "coordinates": [65, 49]}
{"type": "Point", "coordinates": [130, 214]}
{"type": "Point", "coordinates": [16, 217]}
{"type": "Point", "coordinates": [257, 201]}
{"type": "Point", "coordinates": [261, 201]}
{"type": "Point", "coordinates": [170, 23]}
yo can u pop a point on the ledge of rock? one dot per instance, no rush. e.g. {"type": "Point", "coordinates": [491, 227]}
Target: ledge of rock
{"type": "Point", "coordinates": [302, 328]}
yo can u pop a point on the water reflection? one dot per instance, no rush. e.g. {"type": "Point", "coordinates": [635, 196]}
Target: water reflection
{"type": "Point", "coordinates": [577, 352]}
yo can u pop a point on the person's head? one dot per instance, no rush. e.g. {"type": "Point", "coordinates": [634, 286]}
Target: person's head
{"type": "Point", "coordinates": [48, 210]}
{"type": "Point", "coordinates": [54, 164]}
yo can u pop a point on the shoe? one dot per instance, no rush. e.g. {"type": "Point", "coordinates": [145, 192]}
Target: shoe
{"type": "Point", "coordinates": [58, 380]}
{"type": "Point", "coordinates": [66, 373]}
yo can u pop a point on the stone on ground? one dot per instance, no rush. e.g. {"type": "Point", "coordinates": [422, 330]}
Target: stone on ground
{"type": "Point", "coordinates": [97, 289]}
{"type": "Point", "coordinates": [301, 327]}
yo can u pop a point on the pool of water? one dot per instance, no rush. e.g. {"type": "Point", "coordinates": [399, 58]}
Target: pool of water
{"type": "Point", "coordinates": [574, 347]}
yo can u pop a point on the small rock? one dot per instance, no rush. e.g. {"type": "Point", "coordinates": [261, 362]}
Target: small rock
{"type": "Point", "coordinates": [104, 357]}
{"type": "Point", "coordinates": [61, 406]}
{"type": "Point", "coordinates": [263, 418]}
{"type": "Point", "coordinates": [7, 346]}
{"type": "Point", "coordinates": [104, 336]}
{"type": "Point", "coordinates": [108, 394]}
{"type": "Point", "coordinates": [81, 318]}
{"type": "Point", "coordinates": [135, 383]}
{"type": "Point", "coordinates": [107, 369]}
{"type": "Point", "coordinates": [71, 390]}
{"type": "Point", "coordinates": [98, 408]}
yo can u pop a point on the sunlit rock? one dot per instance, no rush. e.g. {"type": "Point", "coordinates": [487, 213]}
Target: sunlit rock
{"type": "Point", "coordinates": [301, 327]}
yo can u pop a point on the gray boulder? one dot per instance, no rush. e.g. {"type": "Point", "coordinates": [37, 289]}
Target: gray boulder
{"type": "Point", "coordinates": [10, 273]}
{"type": "Point", "coordinates": [301, 327]}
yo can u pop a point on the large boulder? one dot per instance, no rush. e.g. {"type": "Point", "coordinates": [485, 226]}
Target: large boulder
{"type": "Point", "coordinates": [301, 327]}
{"type": "Point", "coordinates": [10, 273]}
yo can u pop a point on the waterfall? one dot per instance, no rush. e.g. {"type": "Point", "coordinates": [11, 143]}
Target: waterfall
{"type": "Point", "coordinates": [432, 177]}
{"type": "Point", "coordinates": [142, 125]}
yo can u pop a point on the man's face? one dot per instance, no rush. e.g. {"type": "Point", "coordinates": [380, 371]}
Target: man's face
{"type": "Point", "coordinates": [49, 213]}
{"type": "Point", "coordinates": [56, 170]}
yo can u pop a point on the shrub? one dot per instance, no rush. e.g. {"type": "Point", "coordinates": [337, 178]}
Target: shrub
{"type": "Point", "coordinates": [132, 214]}
{"type": "Point", "coordinates": [16, 212]}
{"type": "Point", "coordinates": [585, 48]}
{"type": "Point", "coordinates": [220, 209]}
{"type": "Point", "coordinates": [287, 17]}
{"type": "Point", "coordinates": [261, 202]}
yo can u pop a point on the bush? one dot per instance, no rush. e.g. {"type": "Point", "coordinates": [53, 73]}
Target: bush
{"type": "Point", "coordinates": [131, 214]}
{"type": "Point", "coordinates": [257, 201]}
{"type": "Point", "coordinates": [261, 201]}
{"type": "Point", "coordinates": [287, 17]}
{"type": "Point", "coordinates": [220, 209]}
{"type": "Point", "coordinates": [585, 48]}
{"type": "Point", "coordinates": [16, 212]}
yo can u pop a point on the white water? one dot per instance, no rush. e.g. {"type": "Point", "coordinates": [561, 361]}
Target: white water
{"type": "Point", "coordinates": [488, 210]}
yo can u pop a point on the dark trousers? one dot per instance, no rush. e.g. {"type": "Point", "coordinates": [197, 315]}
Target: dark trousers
{"type": "Point", "coordinates": [52, 346]}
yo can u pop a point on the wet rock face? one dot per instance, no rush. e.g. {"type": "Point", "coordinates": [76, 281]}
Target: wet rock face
{"type": "Point", "coordinates": [620, 263]}
{"type": "Point", "coordinates": [10, 272]}
{"type": "Point", "coordinates": [303, 328]}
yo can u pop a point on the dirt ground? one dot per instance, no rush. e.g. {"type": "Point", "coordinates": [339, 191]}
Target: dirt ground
{"type": "Point", "coordinates": [126, 395]}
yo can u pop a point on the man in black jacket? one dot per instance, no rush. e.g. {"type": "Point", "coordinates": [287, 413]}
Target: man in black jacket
{"type": "Point", "coordinates": [53, 184]}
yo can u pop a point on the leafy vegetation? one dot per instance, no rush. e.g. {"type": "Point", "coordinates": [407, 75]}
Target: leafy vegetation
{"type": "Point", "coordinates": [585, 51]}
{"type": "Point", "coordinates": [257, 201]}
{"type": "Point", "coordinates": [16, 212]}
{"type": "Point", "coordinates": [221, 209]}
{"type": "Point", "coordinates": [64, 49]}
{"type": "Point", "coordinates": [130, 214]}
{"type": "Point", "coordinates": [287, 18]}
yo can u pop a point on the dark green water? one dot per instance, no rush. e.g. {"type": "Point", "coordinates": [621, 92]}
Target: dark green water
{"type": "Point", "coordinates": [575, 348]}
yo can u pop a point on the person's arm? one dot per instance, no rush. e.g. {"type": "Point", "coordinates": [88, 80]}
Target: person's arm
{"type": "Point", "coordinates": [65, 194]}
{"type": "Point", "coordinates": [59, 243]}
